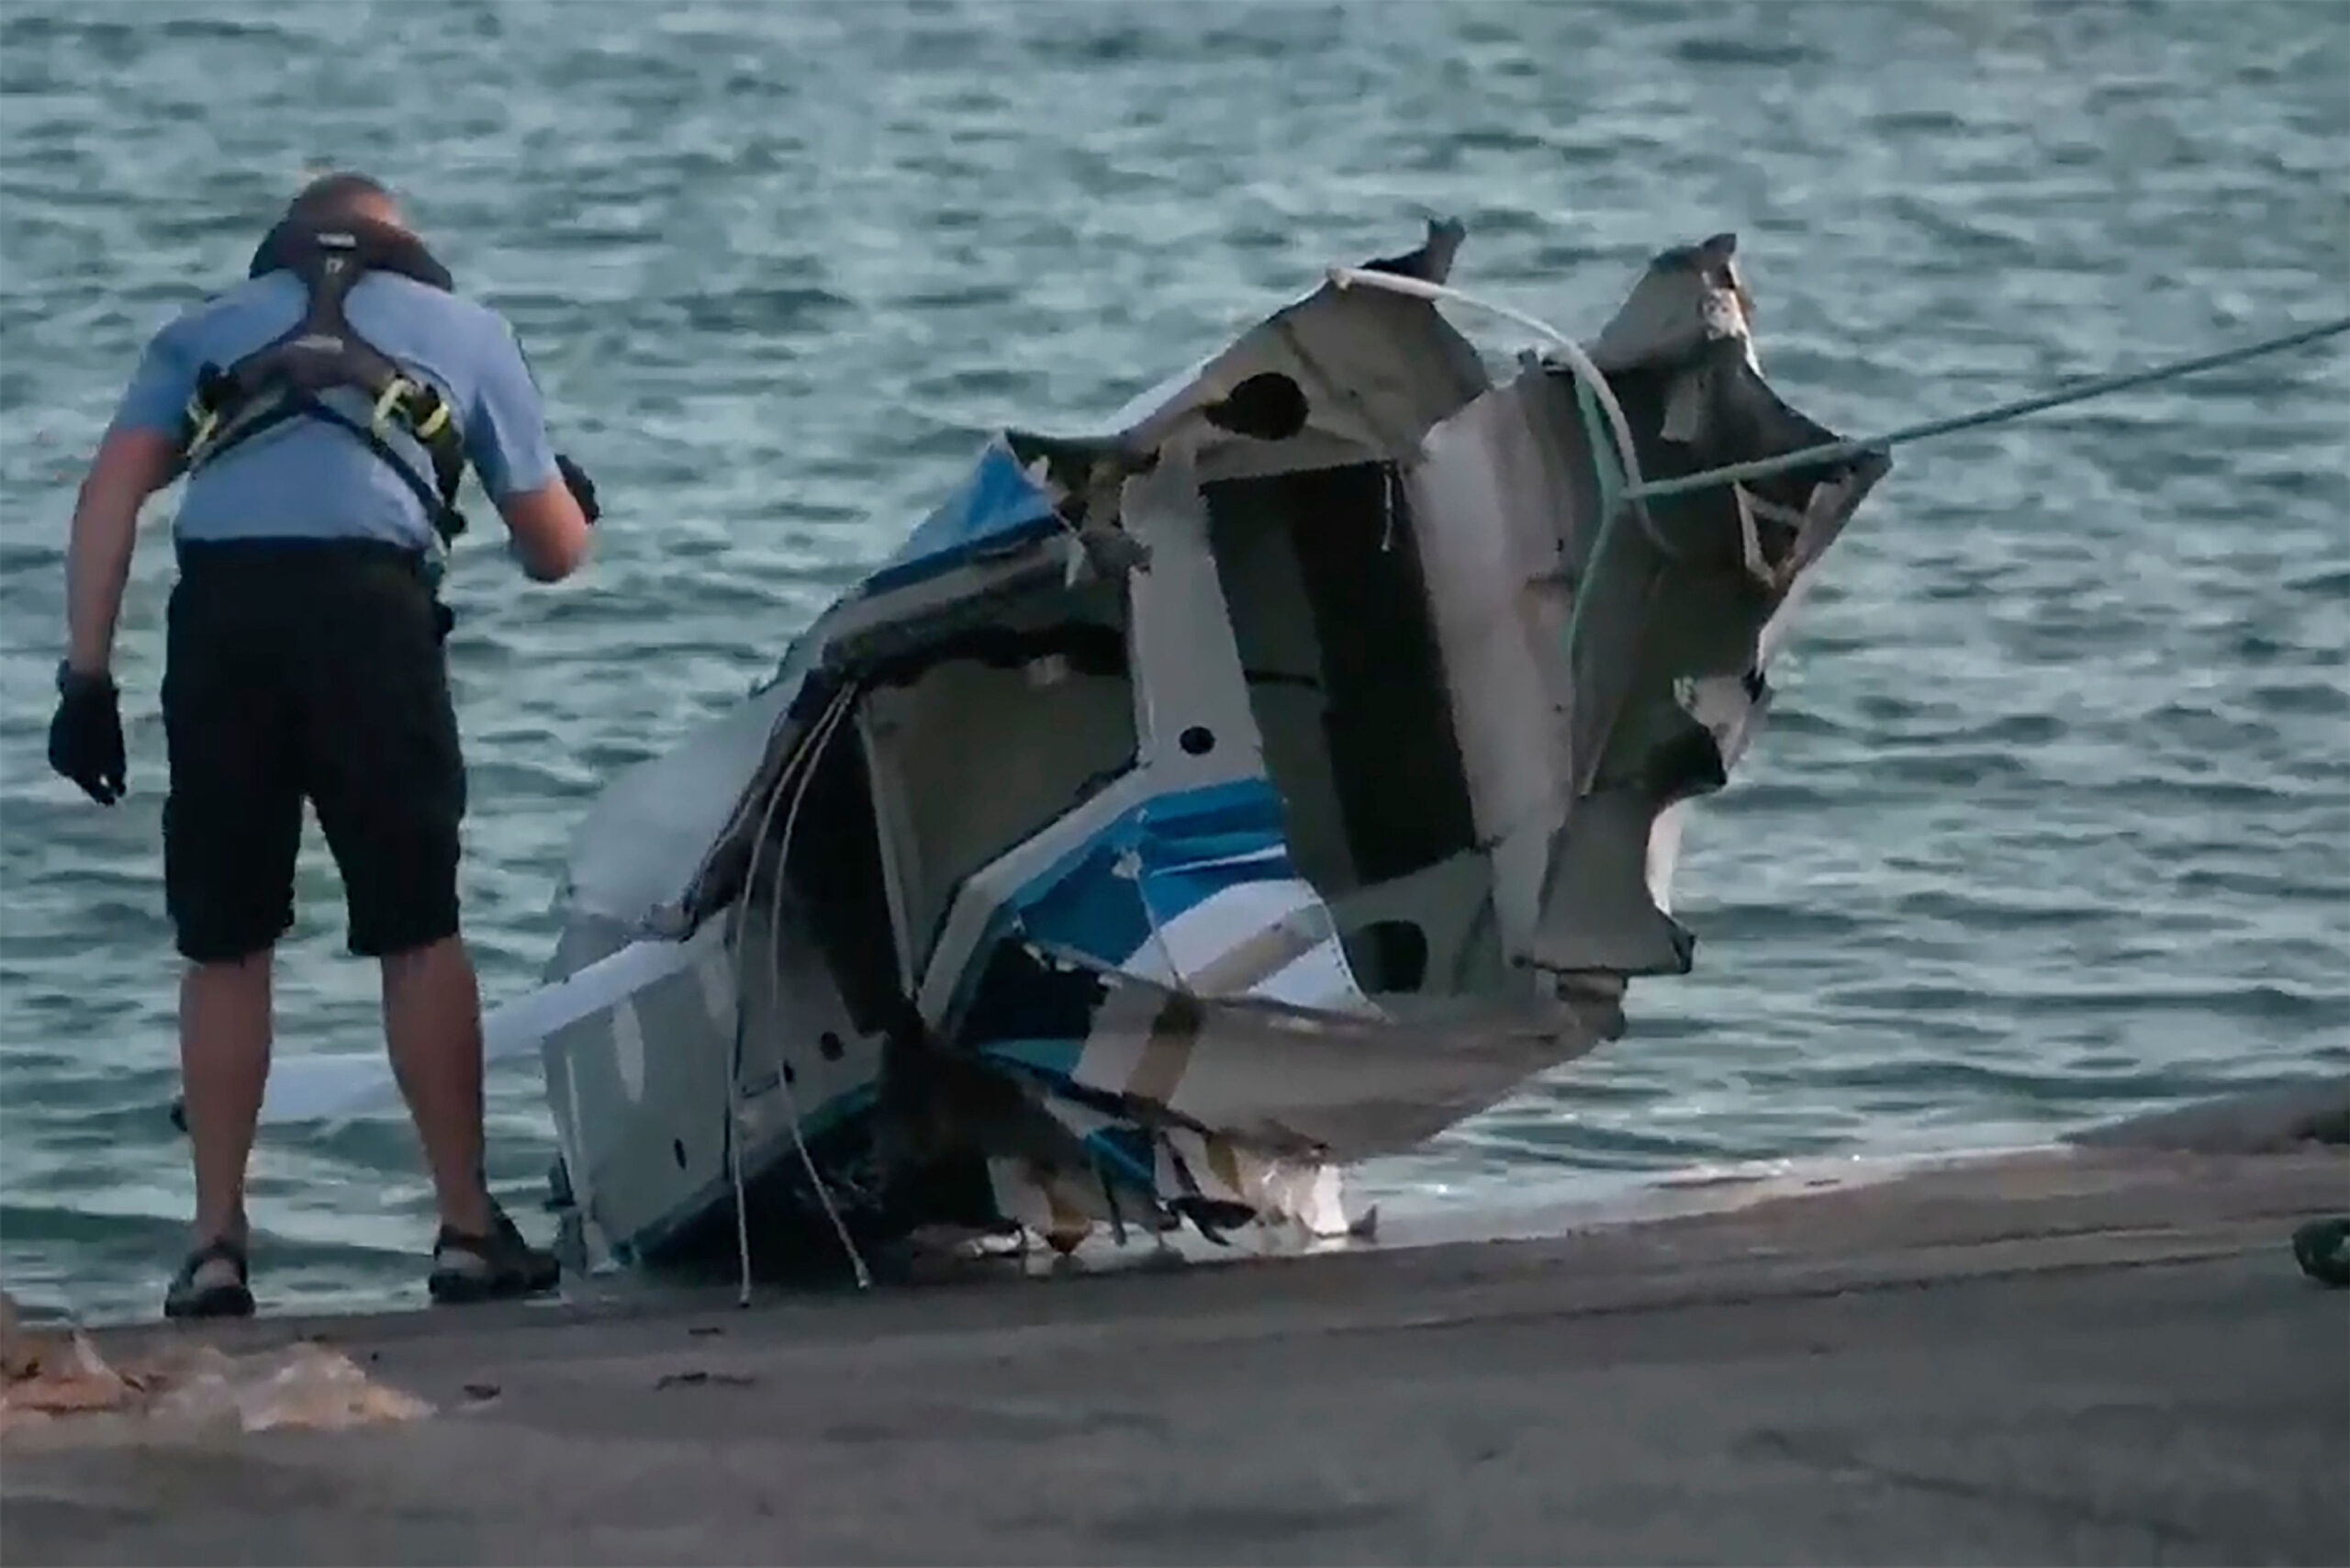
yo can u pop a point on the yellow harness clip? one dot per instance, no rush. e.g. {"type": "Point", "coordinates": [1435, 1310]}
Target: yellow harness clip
{"type": "Point", "coordinates": [206, 423]}
{"type": "Point", "coordinates": [398, 388]}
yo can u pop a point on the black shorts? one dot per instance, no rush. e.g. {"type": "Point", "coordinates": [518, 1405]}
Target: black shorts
{"type": "Point", "coordinates": [308, 670]}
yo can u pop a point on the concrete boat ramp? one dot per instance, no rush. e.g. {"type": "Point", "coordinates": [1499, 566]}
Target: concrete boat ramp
{"type": "Point", "coordinates": [2101, 1354]}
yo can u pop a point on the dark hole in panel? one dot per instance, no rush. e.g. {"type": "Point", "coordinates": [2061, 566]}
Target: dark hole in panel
{"type": "Point", "coordinates": [1398, 949]}
{"type": "Point", "coordinates": [838, 871]}
{"type": "Point", "coordinates": [1387, 719]}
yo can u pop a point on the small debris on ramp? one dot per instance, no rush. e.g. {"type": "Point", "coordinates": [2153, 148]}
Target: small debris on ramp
{"type": "Point", "coordinates": [52, 1378]}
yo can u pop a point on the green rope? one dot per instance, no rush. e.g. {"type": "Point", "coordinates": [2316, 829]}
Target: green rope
{"type": "Point", "coordinates": [1837, 452]}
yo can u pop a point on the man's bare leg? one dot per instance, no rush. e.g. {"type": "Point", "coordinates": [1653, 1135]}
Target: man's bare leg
{"type": "Point", "coordinates": [224, 1067]}
{"type": "Point", "coordinates": [432, 1023]}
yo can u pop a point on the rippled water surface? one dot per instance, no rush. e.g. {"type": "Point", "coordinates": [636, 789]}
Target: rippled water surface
{"type": "Point", "coordinates": [2053, 821]}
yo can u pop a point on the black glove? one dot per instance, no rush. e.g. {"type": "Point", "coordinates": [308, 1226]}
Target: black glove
{"type": "Point", "coordinates": [583, 488]}
{"type": "Point", "coordinates": [85, 738]}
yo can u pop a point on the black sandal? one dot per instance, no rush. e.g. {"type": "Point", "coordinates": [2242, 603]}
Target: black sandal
{"type": "Point", "coordinates": [213, 1282]}
{"type": "Point", "coordinates": [500, 1266]}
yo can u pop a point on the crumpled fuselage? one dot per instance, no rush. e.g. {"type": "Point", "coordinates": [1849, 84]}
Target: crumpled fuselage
{"type": "Point", "coordinates": [1194, 807]}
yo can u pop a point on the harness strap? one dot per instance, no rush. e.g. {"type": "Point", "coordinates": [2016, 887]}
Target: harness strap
{"type": "Point", "coordinates": [289, 377]}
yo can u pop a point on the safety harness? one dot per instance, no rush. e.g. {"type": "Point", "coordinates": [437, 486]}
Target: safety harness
{"type": "Point", "coordinates": [289, 377]}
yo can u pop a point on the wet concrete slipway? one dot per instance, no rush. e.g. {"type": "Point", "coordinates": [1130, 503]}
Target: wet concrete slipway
{"type": "Point", "coordinates": [2098, 1353]}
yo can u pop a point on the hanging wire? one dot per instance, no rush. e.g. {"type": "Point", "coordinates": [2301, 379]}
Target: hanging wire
{"type": "Point", "coordinates": [738, 923]}
{"type": "Point", "coordinates": [830, 722]}
{"type": "Point", "coordinates": [793, 776]}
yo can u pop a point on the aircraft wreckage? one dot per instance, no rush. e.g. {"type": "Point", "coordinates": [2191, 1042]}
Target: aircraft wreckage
{"type": "Point", "coordinates": [1190, 808]}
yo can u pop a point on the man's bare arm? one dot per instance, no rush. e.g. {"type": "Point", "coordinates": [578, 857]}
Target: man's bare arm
{"type": "Point", "coordinates": [550, 532]}
{"type": "Point", "coordinates": [131, 465]}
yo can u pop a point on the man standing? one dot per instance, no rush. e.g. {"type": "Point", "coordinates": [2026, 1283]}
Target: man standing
{"type": "Point", "coordinates": [324, 411]}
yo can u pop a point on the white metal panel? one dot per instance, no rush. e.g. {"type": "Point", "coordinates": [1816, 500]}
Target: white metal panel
{"type": "Point", "coordinates": [1486, 504]}
{"type": "Point", "coordinates": [1187, 665]}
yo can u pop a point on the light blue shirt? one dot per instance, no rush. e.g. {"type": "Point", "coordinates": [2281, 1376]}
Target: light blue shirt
{"type": "Point", "coordinates": [307, 478]}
